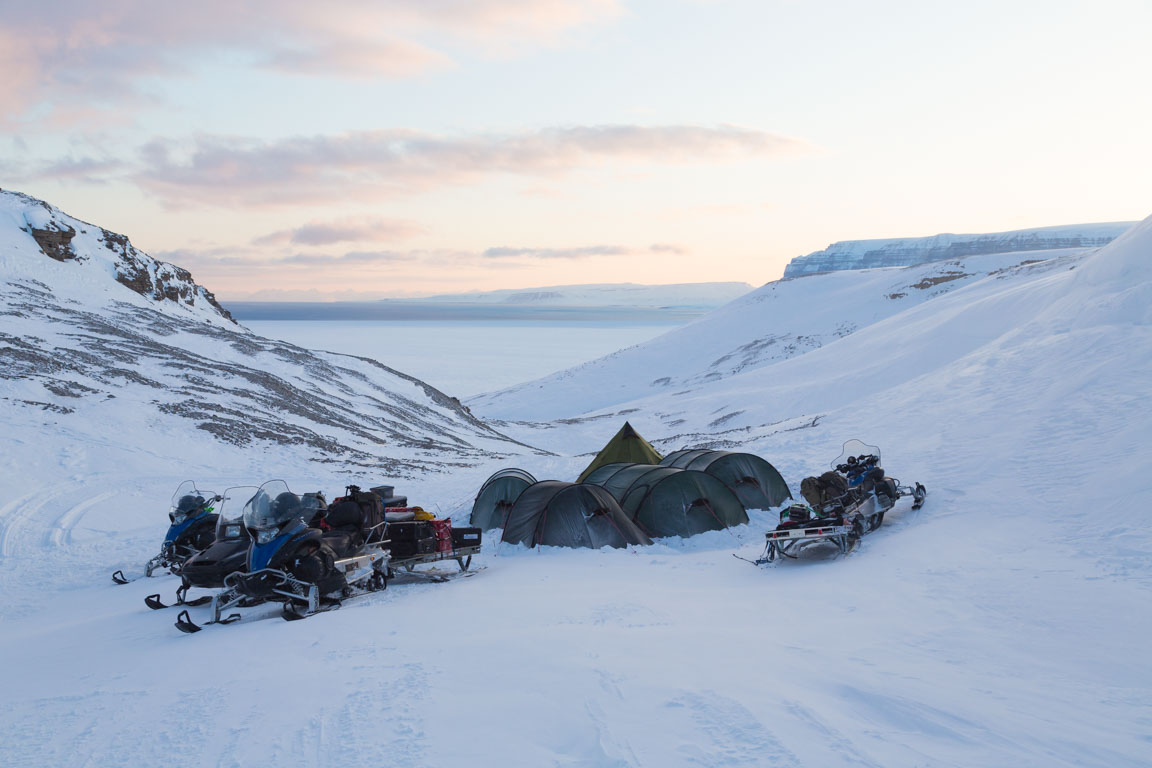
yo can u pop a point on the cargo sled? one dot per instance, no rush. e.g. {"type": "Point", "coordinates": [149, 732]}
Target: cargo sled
{"type": "Point", "coordinates": [844, 504]}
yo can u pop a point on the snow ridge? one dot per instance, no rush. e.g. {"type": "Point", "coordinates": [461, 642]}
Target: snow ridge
{"type": "Point", "coordinates": [909, 251]}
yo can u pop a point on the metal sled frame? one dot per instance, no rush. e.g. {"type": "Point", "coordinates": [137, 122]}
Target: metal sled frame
{"type": "Point", "coordinates": [789, 543]}
{"type": "Point", "coordinates": [462, 556]}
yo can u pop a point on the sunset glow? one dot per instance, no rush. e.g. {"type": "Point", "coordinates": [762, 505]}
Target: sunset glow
{"type": "Point", "coordinates": [357, 149]}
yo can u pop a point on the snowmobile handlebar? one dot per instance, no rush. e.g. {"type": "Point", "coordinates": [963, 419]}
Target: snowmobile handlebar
{"type": "Point", "coordinates": [864, 461]}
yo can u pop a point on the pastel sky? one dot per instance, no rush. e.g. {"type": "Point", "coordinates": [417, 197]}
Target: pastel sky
{"type": "Point", "coordinates": [352, 149]}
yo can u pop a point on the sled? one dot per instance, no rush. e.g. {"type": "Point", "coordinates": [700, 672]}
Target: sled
{"type": "Point", "coordinates": [462, 556]}
{"type": "Point", "coordinates": [846, 504]}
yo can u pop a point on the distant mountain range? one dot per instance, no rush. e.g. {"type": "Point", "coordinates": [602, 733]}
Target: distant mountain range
{"type": "Point", "coordinates": [910, 251]}
{"type": "Point", "coordinates": [677, 295]}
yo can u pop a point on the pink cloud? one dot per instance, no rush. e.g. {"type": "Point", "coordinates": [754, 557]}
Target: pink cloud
{"type": "Point", "coordinates": [73, 52]}
{"type": "Point", "coordinates": [348, 230]}
{"type": "Point", "coordinates": [221, 170]}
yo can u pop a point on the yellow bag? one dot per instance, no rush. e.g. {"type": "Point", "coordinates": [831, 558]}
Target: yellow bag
{"type": "Point", "coordinates": [421, 514]}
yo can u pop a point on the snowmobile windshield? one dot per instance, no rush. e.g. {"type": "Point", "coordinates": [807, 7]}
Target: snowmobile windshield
{"type": "Point", "coordinates": [856, 450]}
{"type": "Point", "coordinates": [272, 506]}
{"type": "Point", "coordinates": [231, 510]}
{"type": "Point", "coordinates": [188, 501]}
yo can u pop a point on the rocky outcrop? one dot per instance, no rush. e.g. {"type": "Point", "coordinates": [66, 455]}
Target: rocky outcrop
{"type": "Point", "coordinates": [906, 252]}
{"type": "Point", "coordinates": [89, 249]}
{"type": "Point", "coordinates": [55, 242]}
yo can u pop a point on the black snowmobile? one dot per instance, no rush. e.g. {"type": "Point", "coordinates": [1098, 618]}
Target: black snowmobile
{"type": "Point", "coordinates": [844, 504]}
{"type": "Point", "coordinates": [227, 554]}
{"type": "Point", "coordinates": [192, 528]}
{"type": "Point", "coordinates": [304, 568]}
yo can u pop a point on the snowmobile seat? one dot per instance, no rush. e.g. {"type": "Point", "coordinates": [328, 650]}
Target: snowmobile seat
{"type": "Point", "coordinates": [343, 543]}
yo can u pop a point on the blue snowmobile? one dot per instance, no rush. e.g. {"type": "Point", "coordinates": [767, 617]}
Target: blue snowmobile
{"type": "Point", "coordinates": [192, 528]}
{"type": "Point", "coordinates": [304, 568]}
{"type": "Point", "coordinates": [844, 504]}
{"type": "Point", "coordinates": [227, 554]}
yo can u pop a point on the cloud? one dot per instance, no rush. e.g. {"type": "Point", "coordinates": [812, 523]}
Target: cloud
{"type": "Point", "coordinates": [556, 253]}
{"type": "Point", "coordinates": [386, 58]}
{"type": "Point", "coordinates": [666, 248]}
{"type": "Point", "coordinates": [229, 171]}
{"type": "Point", "coordinates": [72, 52]}
{"type": "Point", "coordinates": [364, 257]}
{"type": "Point", "coordinates": [352, 230]}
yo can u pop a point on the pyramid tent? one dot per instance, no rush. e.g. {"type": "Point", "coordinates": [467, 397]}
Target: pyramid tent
{"type": "Point", "coordinates": [626, 446]}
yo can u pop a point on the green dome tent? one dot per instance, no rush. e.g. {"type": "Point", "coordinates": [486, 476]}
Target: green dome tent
{"type": "Point", "coordinates": [626, 446]}
{"type": "Point", "coordinates": [600, 474]}
{"type": "Point", "coordinates": [496, 497]}
{"type": "Point", "coordinates": [751, 478]}
{"type": "Point", "coordinates": [669, 501]}
{"type": "Point", "coordinates": [563, 514]}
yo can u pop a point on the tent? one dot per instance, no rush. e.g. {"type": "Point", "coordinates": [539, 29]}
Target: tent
{"type": "Point", "coordinates": [753, 480]}
{"type": "Point", "coordinates": [669, 501]}
{"type": "Point", "coordinates": [497, 496]}
{"type": "Point", "coordinates": [626, 446]}
{"type": "Point", "coordinates": [563, 514]}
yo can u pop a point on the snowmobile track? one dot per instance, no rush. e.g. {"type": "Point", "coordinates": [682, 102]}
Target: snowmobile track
{"type": "Point", "coordinates": [13, 517]}
{"type": "Point", "coordinates": [60, 533]}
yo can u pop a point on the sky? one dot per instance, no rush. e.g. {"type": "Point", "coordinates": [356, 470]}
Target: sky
{"type": "Point", "coordinates": [296, 150]}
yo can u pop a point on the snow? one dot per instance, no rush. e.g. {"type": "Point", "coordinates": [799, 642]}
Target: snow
{"type": "Point", "coordinates": [1005, 623]}
{"type": "Point", "coordinates": [910, 251]}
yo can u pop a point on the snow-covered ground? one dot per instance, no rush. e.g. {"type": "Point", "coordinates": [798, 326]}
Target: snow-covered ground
{"type": "Point", "coordinates": [1005, 623]}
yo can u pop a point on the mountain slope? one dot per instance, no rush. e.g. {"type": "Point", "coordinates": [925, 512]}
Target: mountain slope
{"type": "Point", "coordinates": [98, 333]}
{"type": "Point", "coordinates": [84, 257]}
{"type": "Point", "coordinates": [778, 321]}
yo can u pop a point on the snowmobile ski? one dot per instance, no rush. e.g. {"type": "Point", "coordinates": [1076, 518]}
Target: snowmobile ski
{"type": "Point", "coordinates": [918, 494]}
{"type": "Point", "coordinates": [185, 624]}
{"type": "Point", "coordinates": [154, 602]}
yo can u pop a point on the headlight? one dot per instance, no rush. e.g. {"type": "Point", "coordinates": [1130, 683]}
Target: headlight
{"type": "Point", "coordinates": [266, 535]}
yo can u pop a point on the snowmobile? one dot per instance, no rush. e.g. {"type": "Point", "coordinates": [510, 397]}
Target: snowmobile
{"type": "Point", "coordinates": [844, 505]}
{"type": "Point", "coordinates": [304, 568]}
{"type": "Point", "coordinates": [192, 529]}
{"type": "Point", "coordinates": [227, 554]}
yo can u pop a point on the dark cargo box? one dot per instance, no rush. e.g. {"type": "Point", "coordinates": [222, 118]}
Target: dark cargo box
{"type": "Point", "coordinates": [426, 546]}
{"type": "Point", "coordinates": [465, 537]}
{"type": "Point", "coordinates": [402, 549]}
{"type": "Point", "coordinates": [410, 531]}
